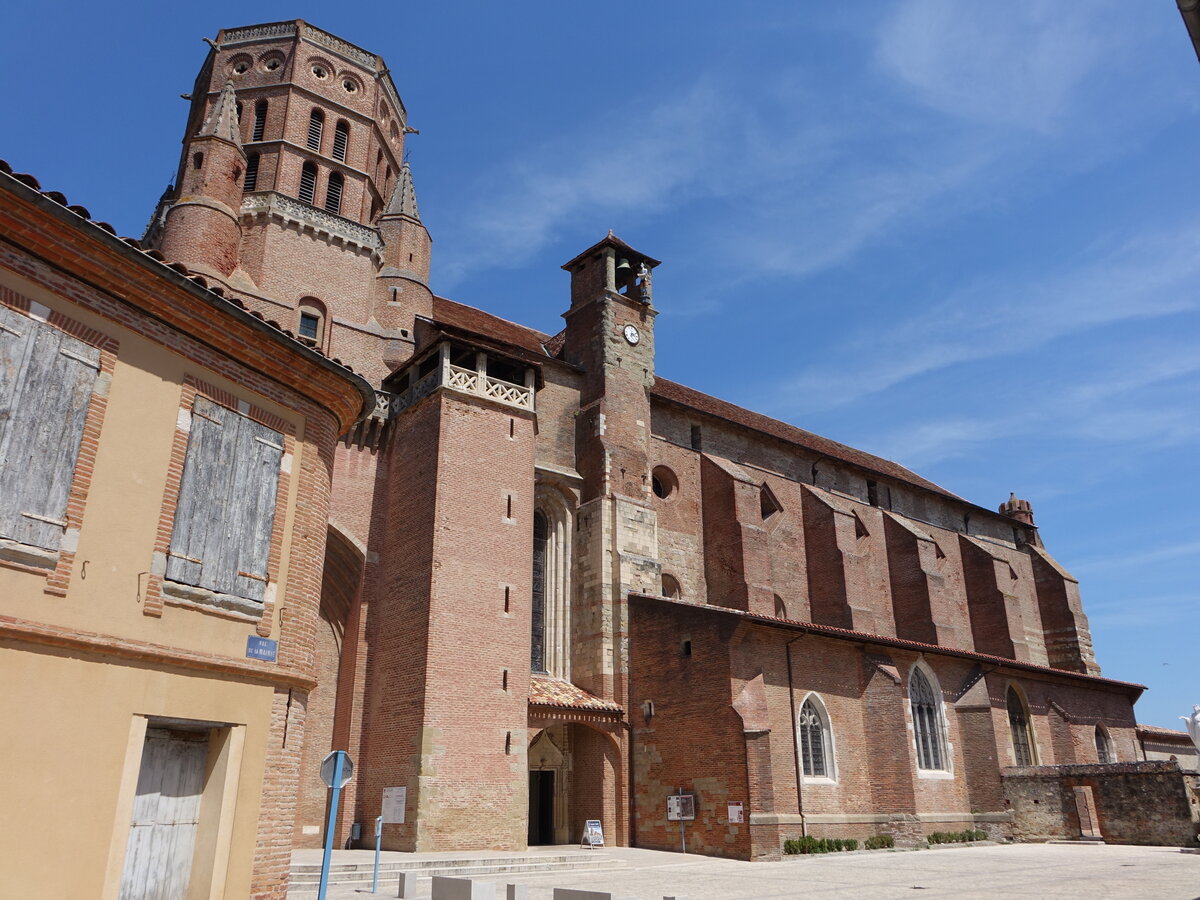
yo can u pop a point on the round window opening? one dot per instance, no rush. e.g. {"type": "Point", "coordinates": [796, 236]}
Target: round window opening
{"type": "Point", "coordinates": [241, 68]}
{"type": "Point", "coordinates": [663, 482]}
{"type": "Point", "coordinates": [350, 86]}
{"type": "Point", "coordinates": [271, 65]}
{"type": "Point", "coordinates": [319, 71]}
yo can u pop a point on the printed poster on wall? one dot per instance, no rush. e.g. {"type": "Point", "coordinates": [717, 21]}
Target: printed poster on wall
{"type": "Point", "coordinates": [735, 812]}
{"type": "Point", "coordinates": [394, 801]}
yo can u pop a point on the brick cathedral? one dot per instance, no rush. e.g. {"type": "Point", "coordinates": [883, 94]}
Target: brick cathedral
{"type": "Point", "coordinates": [557, 587]}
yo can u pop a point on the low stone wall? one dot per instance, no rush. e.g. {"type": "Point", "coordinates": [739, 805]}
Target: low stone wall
{"type": "Point", "coordinates": [1121, 803]}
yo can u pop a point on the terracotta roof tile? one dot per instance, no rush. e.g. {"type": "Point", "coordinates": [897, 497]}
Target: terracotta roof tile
{"type": "Point", "coordinates": [1164, 732]}
{"type": "Point", "coordinates": [467, 318]}
{"type": "Point", "coordinates": [721, 409]}
{"type": "Point", "coordinates": [547, 691]}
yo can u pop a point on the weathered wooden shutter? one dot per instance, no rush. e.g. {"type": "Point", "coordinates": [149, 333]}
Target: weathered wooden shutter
{"type": "Point", "coordinates": [226, 510]}
{"type": "Point", "coordinates": [46, 381]}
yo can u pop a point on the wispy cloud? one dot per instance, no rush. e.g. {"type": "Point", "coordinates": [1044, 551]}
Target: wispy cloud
{"type": "Point", "coordinates": [1150, 556]}
{"type": "Point", "coordinates": [1144, 612]}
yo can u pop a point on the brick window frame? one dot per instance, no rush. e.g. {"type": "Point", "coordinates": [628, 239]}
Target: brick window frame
{"type": "Point", "coordinates": [155, 598]}
{"type": "Point", "coordinates": [58, 578]}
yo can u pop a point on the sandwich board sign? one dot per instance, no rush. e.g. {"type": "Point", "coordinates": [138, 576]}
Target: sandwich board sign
{"type": "Point", "coordinates": [593, 834]}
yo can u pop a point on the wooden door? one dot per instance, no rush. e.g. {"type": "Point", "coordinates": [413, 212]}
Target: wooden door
{"type": "Point", "coordinates": [162, 835]}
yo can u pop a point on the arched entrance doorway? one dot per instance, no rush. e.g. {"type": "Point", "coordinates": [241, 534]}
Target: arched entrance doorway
{"type": "Point", "coordinates": [575, 774]}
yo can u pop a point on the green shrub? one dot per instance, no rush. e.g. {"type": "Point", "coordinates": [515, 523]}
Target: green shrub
{"type": "Point", "coordinates": [810, 844]}
{"type": "Point", "coordinates": [880, 842]}
{"type": "Point", "coordinates": [850, 844]}
{"type": "Point", "coordinates": [956, 837]}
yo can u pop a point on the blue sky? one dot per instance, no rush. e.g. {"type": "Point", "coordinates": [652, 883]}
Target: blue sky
{"type": "Point", "coordinates": [951, 234]}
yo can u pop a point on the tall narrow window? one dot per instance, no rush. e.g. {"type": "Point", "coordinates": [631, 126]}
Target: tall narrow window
{"type": "Point", "coordinates": [927, 722]}
{"type": "Point", "coordinates": [310, 325]}
{"type": "Point", "coordinates": [260, 120]}
{"type": "Point", "coordinates": [541, 540]}
{"type": "Point", "coordinates": [1018, 725]}
{"type": "Point", "coordinates": [333, 193]}
{"type": "Point", "coordinates": [815, 742]}
{"type": "Point", "coordinates": [316, 125]}
{"type": "Point", "coordinates": [1104, 751]}
{"type": "Point", "coordinates": [251, 182]}
{"type": "Point", "coordinates": [308, 183]}
{"type": "Point", "coordinates": [341, 140]}
{"type": "Point", "coordinates": [46, 382]}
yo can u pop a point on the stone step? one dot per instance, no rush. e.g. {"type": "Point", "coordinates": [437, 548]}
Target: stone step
{"type": "Point", "coordinates": [309, 881]}
{"type": "Point", "coordinates": [451, 862]}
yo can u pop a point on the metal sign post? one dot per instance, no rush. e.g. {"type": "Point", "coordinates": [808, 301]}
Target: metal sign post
{"type": "Point", "coordinates": [681, 808]}
{"type": "Point", "coordinates": [378, 838]}
{"type": "Point", "coordinates": [336, 770]}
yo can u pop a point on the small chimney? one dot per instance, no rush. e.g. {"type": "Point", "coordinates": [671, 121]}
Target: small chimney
{"type": "Point", "coordinates": [1015, 508]}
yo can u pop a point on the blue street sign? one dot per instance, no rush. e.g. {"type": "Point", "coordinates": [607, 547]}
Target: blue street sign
{"type": "Point", "coordinates": [261, 648]}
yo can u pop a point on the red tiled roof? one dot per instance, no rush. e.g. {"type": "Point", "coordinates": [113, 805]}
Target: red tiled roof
{"type": "Point", "coordinates": [676, 393]}
{"type": "Point", "coordinates": [546, 691]}
{"type": "Point", "coordinates": [1169, 733]}
{"type": "Point", "coordinates": [884, 640]}
{"type": "Point", "coordinates": [467, 318]}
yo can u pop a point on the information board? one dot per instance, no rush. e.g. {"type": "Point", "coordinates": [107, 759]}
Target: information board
{"type": "Point", "coordinates": [735, 812]}
{"type": "Point", "coordinates": [593, 834]}
{"type": "Point", "coordinates": [681, 808]}
{"type": "Point", "coordinates": [394, 801]}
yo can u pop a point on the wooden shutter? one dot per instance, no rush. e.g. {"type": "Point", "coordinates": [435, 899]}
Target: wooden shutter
{"type": "Point", "coordinates": [47, 381]}
{"type": "Point", "coordinates": [226, 510]}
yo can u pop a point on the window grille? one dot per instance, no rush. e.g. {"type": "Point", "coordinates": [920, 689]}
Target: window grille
{"type": "Point", "coordinates": [316, 125]}
{"type": "Point", "coordinates": [308, 183]}
{"type": "Point", "coordinates": [251, 182]}
{"type": "Point", "coordinates": [333, 194]}
{"type": "Point", "coordinates": [341, 139]}
{"type": "Point", "coordinates": [927, 726]}
{"type": "Point", "coordinates": [814, 743]}
{"type": "Point", "coordinates": [260, 120]}
{"type": "Point", "coordinates": [1018, 724]}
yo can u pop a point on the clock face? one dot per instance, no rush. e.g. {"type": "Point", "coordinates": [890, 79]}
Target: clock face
{"type": "Point", "coordinates": [631, 334]}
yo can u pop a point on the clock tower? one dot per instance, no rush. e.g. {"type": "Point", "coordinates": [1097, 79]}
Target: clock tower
{"type": "Point", "coordinates": [610, 336]}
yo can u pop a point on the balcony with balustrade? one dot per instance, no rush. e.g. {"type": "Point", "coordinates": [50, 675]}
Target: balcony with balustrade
{"type": "Point", "coordinates": [465, 370]}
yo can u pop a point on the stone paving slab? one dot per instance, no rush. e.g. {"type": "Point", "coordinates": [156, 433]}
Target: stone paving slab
{"type": "Point", "coordinates": [1054, 872]}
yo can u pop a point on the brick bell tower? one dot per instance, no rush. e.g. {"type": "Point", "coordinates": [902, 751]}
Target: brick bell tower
{"type": "Point", "coordinates": [610, 335]}
{"type": "Point", "coordinates": [292, 192]}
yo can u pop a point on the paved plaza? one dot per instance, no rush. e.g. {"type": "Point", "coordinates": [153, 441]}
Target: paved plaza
{"type": "Point", "coordinates": [1021, 870]}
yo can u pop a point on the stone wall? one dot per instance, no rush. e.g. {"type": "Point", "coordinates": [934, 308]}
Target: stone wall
{"type": "Point", "coordinates": [1134, 803]}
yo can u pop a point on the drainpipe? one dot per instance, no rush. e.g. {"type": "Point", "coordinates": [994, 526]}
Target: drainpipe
{"type": "Point", "coordinates": [796, 738]}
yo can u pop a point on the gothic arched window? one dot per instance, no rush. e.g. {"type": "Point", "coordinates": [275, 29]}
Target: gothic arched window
{"type": "Point", "coordinates": [341, 140]}
{"type": "Point", "coordinates": [316, 126]}
{"type": "Point", "coordinates": [1104, 750]}
{"type": "Point", "coordinates": [260, 120]}
{"type": "Point", "coordinates": [816, 740]}
{"type": "Point", "coordinates": [333, 193]}
{"type": "Point", "coordinates": [927, 722]}
{"type": "Point", "coordinates": [308, 183]}
{"type": "Point", "coordinates": [1018, 726]}
{"type": "Point", "coordinates": [541, 542]}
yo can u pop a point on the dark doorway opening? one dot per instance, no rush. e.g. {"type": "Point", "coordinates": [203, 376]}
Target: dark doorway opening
{"type": "Point", "coordinates": [541, 808]}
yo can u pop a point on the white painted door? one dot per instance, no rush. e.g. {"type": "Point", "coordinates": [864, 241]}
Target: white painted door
{"type": "Point", "coordinates": [162, 835]}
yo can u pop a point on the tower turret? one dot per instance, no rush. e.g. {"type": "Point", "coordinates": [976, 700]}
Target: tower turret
{"type": "Point", "coordinates": [404, 278]}
{"type": "Point", "coordinates": [202, 227]}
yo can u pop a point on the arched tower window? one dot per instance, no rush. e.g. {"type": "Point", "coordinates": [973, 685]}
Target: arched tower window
{"type": "Point", "coordinates": [251, 182]}
{"type": "Point", "coordinates": [670, 587]}
{"type": "Point", "coordinates": [260, 121]}
{"type": "Point", "coordinates": [308, 183]}
{"type": "Point", "coordinates": [316, 126]}
{"type": "Point", "coordinates": [333, 193]}
{"type": "Point", "coordinates": [927, 722]}
{"type": "Point", "coordinates": [1018, 726]}
{"type": "Point", "coordinates": [541, 542]}
{"type": "Point", "coordinates": [816, 739]}
{"type": "Point", "coordinates": [341, 140]}
{"type": "Point", "coordinates": [310, 321]}
{"type": "Point", "coordinates": [1104, 750]}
